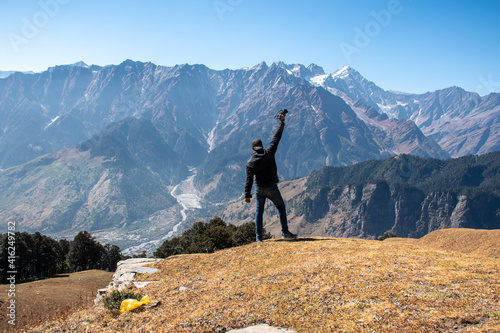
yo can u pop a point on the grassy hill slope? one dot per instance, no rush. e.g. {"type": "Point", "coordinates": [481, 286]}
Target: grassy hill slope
{"type": "Point", "coordinates": [57, 297]}
{"type": "Point", "coordinates": [317, 285]}
{"type": "Point", "coordinates": [478, 242]}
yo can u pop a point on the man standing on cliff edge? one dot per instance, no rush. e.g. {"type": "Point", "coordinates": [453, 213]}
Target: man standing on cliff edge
{"type": "Point", "coordinates": [262, 166]}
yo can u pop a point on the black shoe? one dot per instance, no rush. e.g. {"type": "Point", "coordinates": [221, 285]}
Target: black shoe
{"type": "Point", "coordinates": [289, 235]}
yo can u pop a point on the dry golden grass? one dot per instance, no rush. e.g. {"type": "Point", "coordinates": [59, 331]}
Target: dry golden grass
{"type": "Point", "coordinates": [313, 285]}
{"type": "Point", "coordinates": [471, 241]}
{"type": "Point", "coordinates": [39, 301]}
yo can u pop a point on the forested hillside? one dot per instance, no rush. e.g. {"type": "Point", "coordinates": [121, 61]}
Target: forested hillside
{"type": "Point", "coordinates": [35, 256]}
{"type": "Point", "coordinates": [464, 175]}
{"type": "Point", "coordinates": [405, 195]}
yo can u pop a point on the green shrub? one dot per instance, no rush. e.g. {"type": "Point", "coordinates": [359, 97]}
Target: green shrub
{"type": "Point", "coordinates": [208, 238]}
{"type": "Point", "coordinates": [386, 235]}
{"type": "Point", "coordinates": [115, 299]}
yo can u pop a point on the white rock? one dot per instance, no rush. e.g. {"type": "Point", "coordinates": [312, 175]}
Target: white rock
{"type": "Point", "coordinates": [124, 276]}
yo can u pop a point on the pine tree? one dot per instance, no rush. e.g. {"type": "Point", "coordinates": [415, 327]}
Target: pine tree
{"type": "Point", "coordinates": [85, 253]}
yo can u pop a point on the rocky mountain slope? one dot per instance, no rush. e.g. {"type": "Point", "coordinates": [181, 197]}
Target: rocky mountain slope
{"type": "Point", "coordinates": [4, 74]}
{"type": "Point", "coordinates": [116, 182]}
{"type": "Point", "coordinates": [403, 195]}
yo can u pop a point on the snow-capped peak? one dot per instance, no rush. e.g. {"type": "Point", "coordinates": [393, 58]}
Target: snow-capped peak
{"type": "Point", "coordinates": [319, 80]}
{"type": "Point", "coordinates": [342, 72]}
{"type": "Point", "coordinates": [80, 64]}
{"type": "Point", "coordinates": [301, 71]}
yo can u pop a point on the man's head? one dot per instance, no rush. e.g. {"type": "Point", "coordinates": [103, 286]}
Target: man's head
{"type": "Point", "coordinates": [257, 144]}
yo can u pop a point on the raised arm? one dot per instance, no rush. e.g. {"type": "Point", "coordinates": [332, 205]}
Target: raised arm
{"type": "Point", "coordinates": [273, 146]}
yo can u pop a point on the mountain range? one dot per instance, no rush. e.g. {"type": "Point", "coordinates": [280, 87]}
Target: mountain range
{"type": "Point", "coordinates": [102, 148]}
{"type": "Point", "coordinates": [4, 74]}
{"type": "Point", "coordinates": [461, 122]}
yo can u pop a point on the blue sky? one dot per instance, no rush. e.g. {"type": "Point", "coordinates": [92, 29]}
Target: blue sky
{"type": "Point", "coordinates": [407, 45]}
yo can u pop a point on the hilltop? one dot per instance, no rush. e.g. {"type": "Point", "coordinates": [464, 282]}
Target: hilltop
{"type": "Point", "coordinates": [319, 285]}
{"type": "Point", "coordinates": [478, 242]}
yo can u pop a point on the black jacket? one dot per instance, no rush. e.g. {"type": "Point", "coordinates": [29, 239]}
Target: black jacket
{"type": "Point", "coordinates": [262, 165]}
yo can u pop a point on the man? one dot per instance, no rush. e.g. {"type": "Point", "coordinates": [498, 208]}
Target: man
{"type": "Point", "coordinates": [262, 166]}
